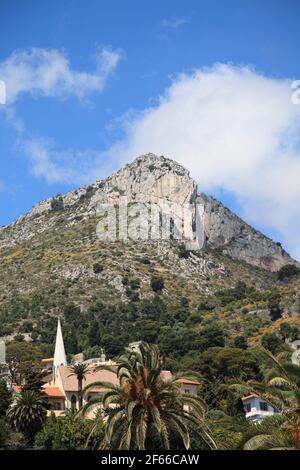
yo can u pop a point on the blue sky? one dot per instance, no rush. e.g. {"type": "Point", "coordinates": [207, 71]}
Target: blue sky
{"type": "Point", "coordinates": [123, 70]}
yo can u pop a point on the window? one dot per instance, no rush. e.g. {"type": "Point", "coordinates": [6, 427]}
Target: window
{"type": "Point", "coordinates": [186, 390]}
{"type": "Point", "coordinates": [263, 406]}
{"type": "Point", "coordinates": [73, 402]}
{"type": "Point", "coordinates": [248, 407]}
{"type": "Point", "coordinates": [56, 406]}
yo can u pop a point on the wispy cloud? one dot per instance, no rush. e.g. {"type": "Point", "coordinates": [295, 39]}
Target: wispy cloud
{"type": "Point", "coordinates": [175, 23]}
{"type": "Point", "coordinates": [71, 166]}
{"type": "Point", "coordinates": [48, 72]}
{"type": "Point", "coordinates": [236, 130]}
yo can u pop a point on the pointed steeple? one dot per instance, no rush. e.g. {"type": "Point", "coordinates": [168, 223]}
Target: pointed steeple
{"type": "Point", "coordinates": [59, 353]}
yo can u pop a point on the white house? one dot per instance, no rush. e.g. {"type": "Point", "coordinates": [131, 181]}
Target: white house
{"type": "Point", "coordinates": [256, 408]}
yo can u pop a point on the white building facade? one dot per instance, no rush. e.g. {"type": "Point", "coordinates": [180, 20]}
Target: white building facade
{"type": "Point", "coordinates": [256, 408]}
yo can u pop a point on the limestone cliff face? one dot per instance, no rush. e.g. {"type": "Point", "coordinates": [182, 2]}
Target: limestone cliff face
{"type": "Point", "coordinates": [233, 237]}
{"type": "Point", "coordinates": [150, 179]}
{"type": "Point", "coordinates": [154, 180]}
{"type": "Point", "coordinates": [157, 182]}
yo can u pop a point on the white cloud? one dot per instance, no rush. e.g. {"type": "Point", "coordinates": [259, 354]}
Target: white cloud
{"type": "Point", "coordinates": [47, 72]}
{"type": "Point", "coordinates": [235, 129]}
{"type": "Point", "coordinates": [68, 166]}
{"type": "Point", "coordinates": [174, 24]}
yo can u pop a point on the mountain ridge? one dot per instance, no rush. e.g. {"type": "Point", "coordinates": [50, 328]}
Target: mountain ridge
{"type": "Point", "coordinates": [154, 179]}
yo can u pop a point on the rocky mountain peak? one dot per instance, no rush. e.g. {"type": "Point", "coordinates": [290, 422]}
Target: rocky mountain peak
{"type": "Point", "coordinates": [149, 179]}
{"type": "Point", "coordinates": [152, 179]}
{"type": "Point", "coordinates": [151, 162]}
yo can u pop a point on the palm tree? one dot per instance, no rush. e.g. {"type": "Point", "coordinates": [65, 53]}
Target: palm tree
{"type": "Point", "coordinates": [29, 412]}
{"type": "Point", "coordinates": [80, 370]}
{"type": "Point", "coordinates": [280, 388]}
{"type": "Point", "coordinates": [270, 434]}
{"type": "Point", "coordinates": [145, 411]}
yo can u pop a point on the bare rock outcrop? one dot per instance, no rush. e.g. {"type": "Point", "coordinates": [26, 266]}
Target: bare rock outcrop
{"type": "Point", "coordinates": [156, 180]}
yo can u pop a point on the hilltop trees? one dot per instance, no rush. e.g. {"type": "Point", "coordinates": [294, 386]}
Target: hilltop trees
{"type": "Point", "coordinates": [288, 271]}
{"type": "Point", "coordinates": [21, 357]}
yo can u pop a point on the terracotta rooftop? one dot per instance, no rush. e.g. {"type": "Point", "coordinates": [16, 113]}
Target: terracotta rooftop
{"type": "Point", "coordinates": [53, 392]}
{"type": "Point", "coordinates": [187, 381]}
{"type": "Point", "coordinates": [70, 384]}
{"type": "Point", "coordinates": [253, 395]}
{"type": "Point", "coordinates": [50, 391]}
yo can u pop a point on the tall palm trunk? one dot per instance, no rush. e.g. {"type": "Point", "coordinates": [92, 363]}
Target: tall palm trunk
{"type": "Point", "coordinates": [80, 370]}
{"type": "Point", "coordinates": [80, 399]}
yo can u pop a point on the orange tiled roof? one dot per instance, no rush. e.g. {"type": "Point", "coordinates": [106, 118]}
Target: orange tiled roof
{"type": "Point", "coordinates": [70, 384]}
{"type": "Point", "coordinates": [53, 392]}
{"type": "Point", "coordinates": [187, 381]}
{"type": "Point", "coordinates": [50, 391]}
{"type": "Point", "coordinates": [253, 395]}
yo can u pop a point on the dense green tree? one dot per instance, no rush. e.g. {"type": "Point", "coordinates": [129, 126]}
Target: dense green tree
{"type": "Point", "coordinates": [183, 252]}
{"type": "Point", "coordinates": [271, 342]}
{"type": "Point", "coordinates": [72, 314]}
{"type": "Point", "coordinates": [152, 309]}
{"type": "Point", "coordinates": [289, 332]}
{"type": "Point", "coordinates": [28, 413]}
{"type": "Point", "coordinates": [288, 271]}
{"type": "Point", "coordinates": [212, 335]}
{"type": "Point", "coordinates": [112, 345]}
{"type": "Point", "coordinates": [228, 363]}
{"type": "Point", "coordinates": [274, 299]}
{"type": "Point", "coordinates": [234, 405]}
{"type": "Point", "coordinates": [148, 330]}
{"type": "Point", "coordinates": [69, 433]}
{"type": "Point", "coordinates": [239, 292]}
{"type": "Point", "coordinates": [57, 203]}
{"type": "Point", "coordinates": [33, 379]}
{"type": "Point", "coordinates": [97, 268]}
{"type": "Point", "coordinates": [71, 341]}
{"type": "Point", "coordinates": [20, 358]}
{"type": "Point", "coordinates": [5, 398]}
{"type": "Point", "coordinates": [94, 334]}
{"type": "Point", "coordinates": [94, 351]}
{"type": "Point", "coordinates": [240, 342]}
{"type": "Point", "coordinates": [157, 283]}
{"type": "Point", "coordinates": [33, 382]}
